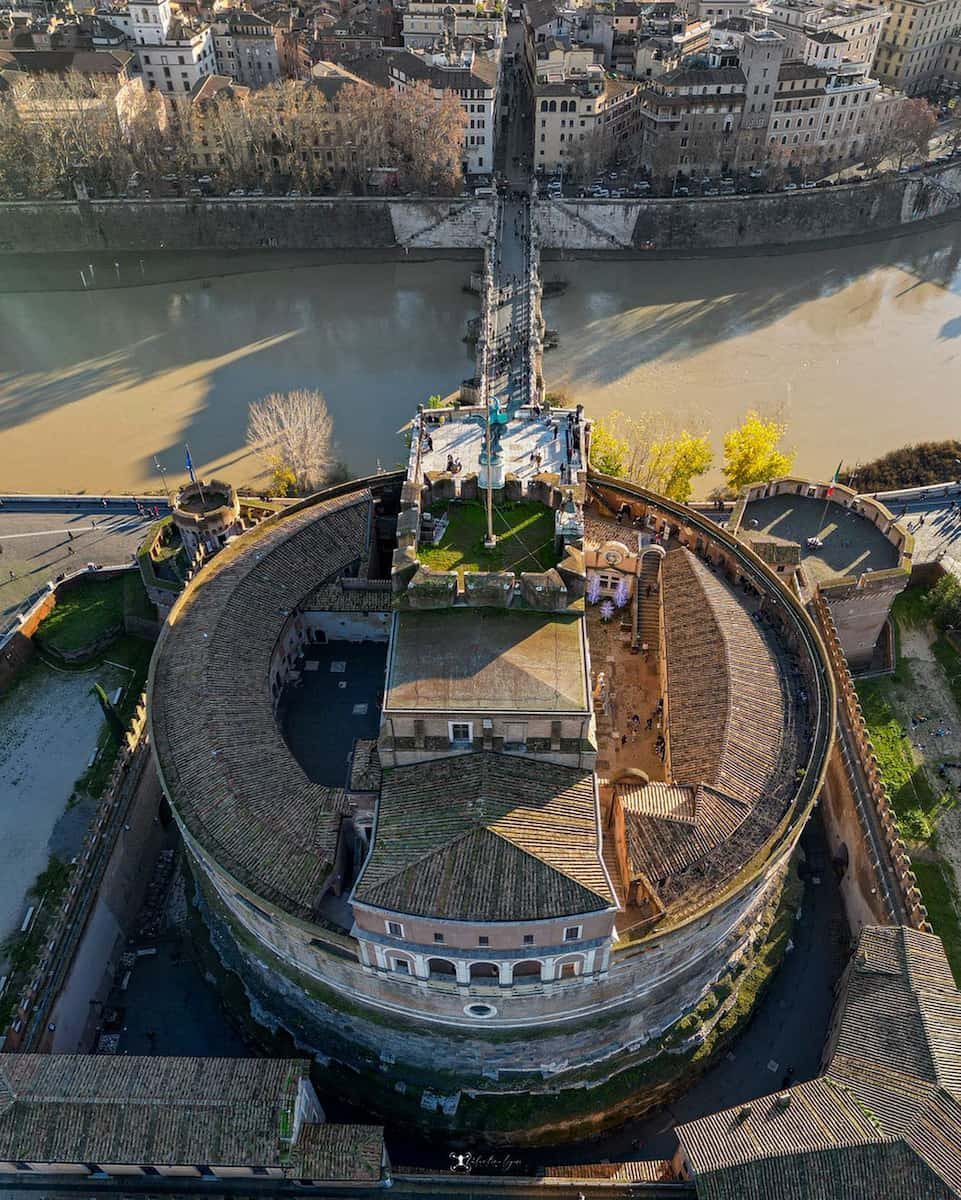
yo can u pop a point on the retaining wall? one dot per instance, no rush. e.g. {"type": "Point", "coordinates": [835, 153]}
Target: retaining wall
{"type": "Point", "coordinates": [459, 226]}
{"type": "Point", "coordinates": [738, 222]}
{"type": "Point", "coordinates": [335, 224]}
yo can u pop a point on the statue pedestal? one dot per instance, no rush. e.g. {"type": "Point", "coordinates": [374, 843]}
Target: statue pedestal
{"type": "Point", "coordinates": [496, 471]}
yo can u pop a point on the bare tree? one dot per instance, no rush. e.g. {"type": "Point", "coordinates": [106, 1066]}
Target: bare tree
{"type": "Point", "coordinates": [293, 432]}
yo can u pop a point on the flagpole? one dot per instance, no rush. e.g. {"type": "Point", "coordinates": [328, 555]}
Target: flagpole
{"type": "Point", "coordinates": [827, 499]}
{"type": "Point", "coordinates": [199, 483]}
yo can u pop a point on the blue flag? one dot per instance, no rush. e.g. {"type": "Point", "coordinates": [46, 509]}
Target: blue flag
{"type": "Point", "coordinates": [190, 466]}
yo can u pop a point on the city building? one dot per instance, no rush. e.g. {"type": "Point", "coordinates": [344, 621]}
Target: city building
{"type": "Point", "coordinates": [882, 1121]}
{"type": "Point", "coordinates": [245, 47]}
{"type": "Point", "coordinates": [846, 32]}
{"type": "Point", "coordinates": [472, 75]}
{"type": "Point", "coordinates": [102, 1117]}
{"type": "Point", "coordinates": [428, 22]}
{"type": "Point", "coordinates": [173, 54]}
{"type": "Point", "coordinates": [582, 116]}
{"type": "Point", "coordinates": [915, 42]}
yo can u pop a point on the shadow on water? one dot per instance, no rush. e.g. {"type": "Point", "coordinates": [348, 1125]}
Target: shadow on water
{"type": "Point", "coordinates": [670, 310]}
{"type": "Point", "coordinates": [376, 340]}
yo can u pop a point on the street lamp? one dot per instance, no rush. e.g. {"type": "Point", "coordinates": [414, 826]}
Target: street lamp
{"type": "Point", "coordinates": [162, 472]}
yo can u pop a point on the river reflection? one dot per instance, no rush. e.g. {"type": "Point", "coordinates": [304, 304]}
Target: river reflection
{"type": "Point", "coordinates": [856, 347]}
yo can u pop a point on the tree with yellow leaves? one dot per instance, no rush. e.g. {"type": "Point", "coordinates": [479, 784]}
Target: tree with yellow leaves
{"type": "Point", "coordinates": [751, 453]}
{"type": "Point", "coordinates": [649, 450]}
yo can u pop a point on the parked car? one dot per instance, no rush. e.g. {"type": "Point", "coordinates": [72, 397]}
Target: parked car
{"type": "Point", "coordinates": [808, 184]}
{"type": "Point", "coordinates": [790, 187]}
{"type": "Point", "coordinates": [682, 191]}
{"type": "Point", "coordinates": [257, 192]}
{"type": "Point", "coordinates": [237, 194]}
{"type": "Point", "coordinates": [755, 173]}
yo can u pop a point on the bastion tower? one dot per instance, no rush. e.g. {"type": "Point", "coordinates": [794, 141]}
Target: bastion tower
{"type": "Point", "coordinates": [496, 834]}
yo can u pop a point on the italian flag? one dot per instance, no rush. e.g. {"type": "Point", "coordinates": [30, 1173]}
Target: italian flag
{"type": "Point", "coordinates": [830, 490]}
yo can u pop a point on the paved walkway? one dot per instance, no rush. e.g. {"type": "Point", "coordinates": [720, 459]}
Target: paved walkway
{"type": "Point", "coordinates": [38, 542]}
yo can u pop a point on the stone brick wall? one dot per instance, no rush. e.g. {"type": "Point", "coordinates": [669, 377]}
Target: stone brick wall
{"type": "Point", "coordinates": [916, 914]}
{"type": "Point", "coordinates": [339, 224]}
{"type": "Point", "coordinates": [737, 222]}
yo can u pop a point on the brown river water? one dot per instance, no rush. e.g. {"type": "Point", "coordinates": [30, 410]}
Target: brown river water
{"type": "Point", "coordinates": [857, 348]}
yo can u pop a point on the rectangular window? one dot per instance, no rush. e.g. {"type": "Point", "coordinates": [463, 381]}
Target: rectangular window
{"type": "Point", "coordinates": [528, 939]}
{"type": "Point", "coordinates": [439, 938]}
{"type": "Point", "coordinates": [395, 929]}
{"type": "Point", "coordinates": [400, 966]}
{"type": "Point", "coordinates": [483, 940]}
{"type": "Point", "coordinates": [460, 733]}
{"type": "Point", "coordinates": [572, 933]}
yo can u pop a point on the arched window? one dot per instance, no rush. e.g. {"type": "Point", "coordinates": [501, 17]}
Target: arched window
{"type": "Point", "coordinates": [552, 107]}
{"type": "Point", "coordinates": [569, 968]}
{"type": "Point", "coordinates": [440, 968]}
{"type": "Point", "coordinates": [543, 106]}
{"type": "Point", "coordinates": [528, 971]}
{"type": "Point", "coordinates": [484, 971]}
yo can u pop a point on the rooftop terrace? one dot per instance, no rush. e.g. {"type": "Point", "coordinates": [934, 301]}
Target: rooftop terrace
{"type": "Point", "coordinates": [851, 544]}
{"type": "Point", "coordinates": [525, 538]}
{"type": "Point", "coordinates": [472, 660]}
{"type": "Point", "coordinates": [452, 434]}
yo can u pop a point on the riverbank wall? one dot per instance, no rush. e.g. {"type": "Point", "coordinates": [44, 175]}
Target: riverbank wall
{"type": "Point", "coordinates": [344, 227]}
{"type": "Point", "coordinates": [705, 224]}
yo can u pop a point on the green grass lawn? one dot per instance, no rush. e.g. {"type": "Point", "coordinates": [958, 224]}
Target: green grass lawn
{"type": "Point", "coordinates": [915, 800]}
{"type": "Point", "coordinates": [941, 901]}
{"type": "Point", "coordinates": [83, 614]}
{"type": "Point", "coordinates": [525, 539]}
{"type": "Point", "coordinates": [134, 653]}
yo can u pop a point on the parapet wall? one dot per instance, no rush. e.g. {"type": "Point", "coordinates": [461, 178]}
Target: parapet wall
{"type": "Point", "coordinates": [915, 914]}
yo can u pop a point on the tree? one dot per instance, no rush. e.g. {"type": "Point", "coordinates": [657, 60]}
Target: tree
{"type": "Point", "coordinates": [906, 133]}
{"type": "Point", "coordinates": [911, 466]}
{"type": "Point", "coordinates": [944, 603]}
{"type": "Point", "coordinates": [751, 453]}
{"type": "Point", "coordinates": [650, 450]}
{"type": "Point", "coordinates": [292, 431]}
{"type": "Point", "coordinates": [677, 461]}
{"type": "Point", "coordinates": [609, 452]}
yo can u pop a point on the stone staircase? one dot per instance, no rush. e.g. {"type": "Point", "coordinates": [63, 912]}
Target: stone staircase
{"type": "Point", "coordinates": [647, 629]}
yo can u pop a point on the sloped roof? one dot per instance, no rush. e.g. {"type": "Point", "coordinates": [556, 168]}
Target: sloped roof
{"type": "Point", "coordinates": [486, 837]}
{"type": "Point", "coordinates": [92, 1108]}
{"type": "Point", "coordinates": [726, 719]}
{"type": "Point", "coordinates": [731, 754]}
{"type": "Point", "coordinates": [883, 1122]}
{"type": "Point", "coordinates": [228, 770]}
{"type": "Point", "coordinates": [339, 1152]}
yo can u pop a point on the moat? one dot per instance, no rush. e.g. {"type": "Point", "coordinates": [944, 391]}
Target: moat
{"type": "Point", "coordinates": [95, 384]}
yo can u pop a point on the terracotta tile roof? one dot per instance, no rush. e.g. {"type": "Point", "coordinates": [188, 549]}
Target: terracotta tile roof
{"type": "Point", "coordinates": [226, 766]}
{"type": "Point", "coordinates": [486, 837]}
{"type": "Point", "coordinates": [350, 1152]}
{"type": "Point", "coordinates": [641, 1171]}
{"type": "Point", "coordinates": [155, 1110]}
{"type": "Point", "coordinates": [365, 768]}
{"type": "Point", "coordinates": [726, 716]}
{"type": "Point", "coordinates": [728, 729]}
{"type": "Point", "coordinates": [883, 1122]}
{"type": "Point", "coordinates": [600, 530]}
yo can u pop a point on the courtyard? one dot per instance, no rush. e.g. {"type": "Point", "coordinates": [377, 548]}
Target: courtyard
{"type": "Point", "coordinates": [524, 531]}
{"type": "Point", "coordinates": [336, 700]}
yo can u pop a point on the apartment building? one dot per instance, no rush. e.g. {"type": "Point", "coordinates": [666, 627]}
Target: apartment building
{"type": "Point", "coordinates": [246, 47]}
{"type": "Point", "coordinates": [473, 76]}
{"type": "Point", "coordinates": [173, 54]}
{"type": "Point", "coordinates": [858, 26]}
{"type": "Point", "coordinates": [917, 43]}
{"type": "Point", "coordinates": [581, 115]}
{"type": "Point", "coordinates": [426, 22]}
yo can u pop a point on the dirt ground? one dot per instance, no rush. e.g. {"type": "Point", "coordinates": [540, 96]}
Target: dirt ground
{"type": "Point", "coordinates": [937, 739]}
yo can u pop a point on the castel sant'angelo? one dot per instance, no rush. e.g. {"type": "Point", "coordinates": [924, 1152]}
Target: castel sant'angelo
{"type": "Point", "coordinates": [482, 834]}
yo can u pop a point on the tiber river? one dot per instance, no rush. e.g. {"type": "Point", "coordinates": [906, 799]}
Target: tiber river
{"type": "Point", "coordinates": [858, 349]}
